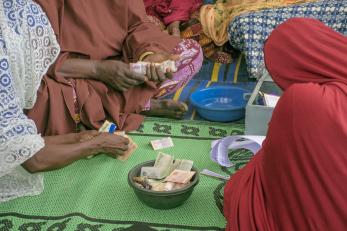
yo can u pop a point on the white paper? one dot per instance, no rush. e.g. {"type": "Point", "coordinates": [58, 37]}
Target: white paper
{"type": "Point", "coordinates": [220, 148]}
{"type": "Point", "coordinates": [270, 100]}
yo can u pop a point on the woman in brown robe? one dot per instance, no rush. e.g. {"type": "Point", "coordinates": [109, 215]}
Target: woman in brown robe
{"type": "Point", "coordinates": [91, 80]}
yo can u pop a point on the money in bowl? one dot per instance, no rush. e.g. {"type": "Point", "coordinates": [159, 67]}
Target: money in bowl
{"type": "Point", "coordinates": [166, 195]}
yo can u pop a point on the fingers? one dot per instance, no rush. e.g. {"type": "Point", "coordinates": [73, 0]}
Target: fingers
{"type": "Point", "coordinates": [114, 153]}
{"type": "Point", "coordinates": [135, 78]}
{"type": "Point", "coordinates": [161, 75]}
{"type": "Point", "coordinates": [151, 73]}
{"type": "Point", "coordinates": [125, 85]}
{"type": "Point", "coordinates": [120, 88]}
{"type": "Point", "coordinates": [174, 57]}
{"type": "Point", "coordinates": [112, 140]}
{"type": "Point", "coordinates": [132, 82]}
{"type": "Point", "coordinates": [119, 139]}
{"type": "Point", "coordinates": [111, 144]}
{"type": "Point", "coordinates": [155, 73]}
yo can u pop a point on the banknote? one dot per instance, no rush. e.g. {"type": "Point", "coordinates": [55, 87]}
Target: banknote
{"type": "Point", "coordinates": [108, 126]}
{"type": "Point", "coordinates": [161, 169]}
{"type": "Point", "coordinates": [180, 176]}
{"type": "Point", "coordinates": [166, 66]}
{"type": "Point", "coordinates": [111, 128]}
{"type": "Point", "coordinates": [185, 165]}
{"type": "Point", "coordinates": [162, 143]}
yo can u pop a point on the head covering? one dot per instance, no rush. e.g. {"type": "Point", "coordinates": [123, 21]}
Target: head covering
{"type": "Point", "coordinates": [295, 181]}
{"type": "Point", "coordinates": [27, 48]}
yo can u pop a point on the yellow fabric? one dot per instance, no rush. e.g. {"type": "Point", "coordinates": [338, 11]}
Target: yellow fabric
{"type": "Point", "coordinates": [215, 18]}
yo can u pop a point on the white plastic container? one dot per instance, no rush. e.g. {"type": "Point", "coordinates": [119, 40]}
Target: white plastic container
{"type": "Point", "coordinates": [258, 116]}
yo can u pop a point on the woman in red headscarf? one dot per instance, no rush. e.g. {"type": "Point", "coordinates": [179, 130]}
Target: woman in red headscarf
{"type": "Point", "coordinates": [296, 181]}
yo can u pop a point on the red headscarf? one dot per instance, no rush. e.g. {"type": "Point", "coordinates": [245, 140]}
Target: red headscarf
{"type": "Point", "coordinates": [296, 181]}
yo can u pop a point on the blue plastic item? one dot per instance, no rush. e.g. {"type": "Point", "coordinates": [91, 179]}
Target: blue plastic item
{"type": "Point", "coordinates": [221, 104]}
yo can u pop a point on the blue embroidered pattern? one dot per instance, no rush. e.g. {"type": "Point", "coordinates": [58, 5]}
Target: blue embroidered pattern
{"type": "Point", "coordinates": [27, 48]}
{"type": "Point", "coordinates": [10, 109]}
{"type": "Point", "coordinates": [248, 32]}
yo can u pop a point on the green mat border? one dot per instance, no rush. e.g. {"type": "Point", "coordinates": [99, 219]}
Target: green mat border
{"type": "Point", "coordinates": [90, 224]}
{"type": "Point", "coordinates": [153, 127]}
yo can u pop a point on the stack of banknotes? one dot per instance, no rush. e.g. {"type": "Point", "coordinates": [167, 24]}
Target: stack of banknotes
{"type": "Point", "coordinates": [167, 174]}
{"type": "Point", "coordinates": [111, 128]}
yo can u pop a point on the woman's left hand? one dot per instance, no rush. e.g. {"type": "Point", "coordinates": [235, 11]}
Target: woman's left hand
{"type": "Point", "coordinates": [86, 135]}
{"type": "Point", "coordinates": [154, 73]}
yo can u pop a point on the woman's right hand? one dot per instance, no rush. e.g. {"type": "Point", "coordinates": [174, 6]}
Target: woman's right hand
{"type": "Point", "coordinates": [110, 144]}
{"type": "Point", "coordinates": [117, 75]}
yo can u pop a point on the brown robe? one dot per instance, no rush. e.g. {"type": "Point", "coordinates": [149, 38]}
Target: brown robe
{"type": "Point", "coordinates": [97, 30]}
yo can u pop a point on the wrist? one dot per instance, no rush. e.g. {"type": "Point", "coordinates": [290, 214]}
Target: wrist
{"type": "Point", "coordinates": [89, 148]}
{"type": "Point", "coordinates": [96, 68]}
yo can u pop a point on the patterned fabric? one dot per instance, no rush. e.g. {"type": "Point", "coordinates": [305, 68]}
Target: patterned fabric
{"type": "Point", "coordinates": [192, 29]}
{"type": "Point", "coordinates": [27, 48]}
{"type": "Point", "coordinates": [216, 18]}
{"type": "Point", "coordinates": [248, 32]}
{"type": "Point", "coordinates": [187, 66]}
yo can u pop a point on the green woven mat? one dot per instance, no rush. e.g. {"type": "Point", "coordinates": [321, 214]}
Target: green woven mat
{"type": "Point", "coordinates": [94, 194]}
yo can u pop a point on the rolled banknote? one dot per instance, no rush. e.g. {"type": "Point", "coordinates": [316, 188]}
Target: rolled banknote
{"type": "Point", "coordinates": [140, 67]}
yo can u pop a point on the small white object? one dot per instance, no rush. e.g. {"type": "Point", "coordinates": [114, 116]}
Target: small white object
{"type": "Point", "coordinates": [270, 100]}
{"type": "Point", "coordinates": [207, 172]}
{"type": "Point", "coordinates": [162, 143]}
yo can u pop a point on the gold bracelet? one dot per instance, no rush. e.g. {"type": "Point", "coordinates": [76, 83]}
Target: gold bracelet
{"type": "Point", "coordinates": [145, 54]}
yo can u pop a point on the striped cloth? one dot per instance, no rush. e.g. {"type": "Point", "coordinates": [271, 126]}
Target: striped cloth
{"type": "Point", "coordinates": [214, 74]}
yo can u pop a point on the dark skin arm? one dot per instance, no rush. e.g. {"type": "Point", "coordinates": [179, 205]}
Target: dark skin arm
{"type": "Point", "coordinates": [57, 153]}
{"type": "Point", "coordinates": [71, 138]}
{"type": "Point", "coordinates": [114, 73]}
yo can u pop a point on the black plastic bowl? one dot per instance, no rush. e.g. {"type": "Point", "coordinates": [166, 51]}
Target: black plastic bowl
{"type": "Point", "coordinates": [161, 200]}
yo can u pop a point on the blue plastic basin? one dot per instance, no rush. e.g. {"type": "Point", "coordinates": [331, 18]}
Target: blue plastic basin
{"type": "Point", "coordinates": [222, 104]}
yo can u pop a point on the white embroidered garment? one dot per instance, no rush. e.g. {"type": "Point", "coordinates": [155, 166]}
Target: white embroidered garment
{"type": "Point", "coordinates": [27, 48]}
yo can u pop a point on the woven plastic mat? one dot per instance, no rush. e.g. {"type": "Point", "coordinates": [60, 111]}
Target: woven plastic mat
{"type": "Point", "coordinates": [94, 194]}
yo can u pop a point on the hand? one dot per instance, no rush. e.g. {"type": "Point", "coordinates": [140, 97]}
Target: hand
{"type": "Point", "coordinates": [154, 73]}
{"type": "Point", "coordinates": [174, 29]}
{"type": "Point", "coordinates": [110, 144]}
{"type": "Point", "coordinates": [117, 75]}
{"type": "Point", "coordinates": [85, 135]}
